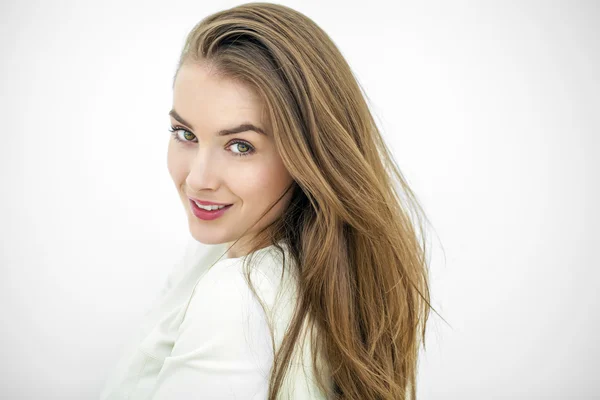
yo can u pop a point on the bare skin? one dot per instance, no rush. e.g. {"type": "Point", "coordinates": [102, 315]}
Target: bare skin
{"type": "Point", "coordinates": [248, 174]}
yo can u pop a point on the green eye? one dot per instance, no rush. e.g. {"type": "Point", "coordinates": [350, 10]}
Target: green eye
{"type": "Point", "coordinates": [186, 133]}
{"type": "Point", "coordinates": [244, 148]}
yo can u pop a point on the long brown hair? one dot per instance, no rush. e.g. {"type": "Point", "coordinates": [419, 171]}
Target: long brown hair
{"type": "Point", "coordinates": [353, 227]}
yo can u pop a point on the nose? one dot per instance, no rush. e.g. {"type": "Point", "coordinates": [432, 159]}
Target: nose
{"type": "Point", "coordinates": [204, 173]}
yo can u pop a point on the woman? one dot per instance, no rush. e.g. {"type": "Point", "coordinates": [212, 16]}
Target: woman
{"type": "Point", "coordinates": [314, 284]}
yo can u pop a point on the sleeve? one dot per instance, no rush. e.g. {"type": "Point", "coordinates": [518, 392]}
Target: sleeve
{"type": "Point", "coordinates": [223, 349]}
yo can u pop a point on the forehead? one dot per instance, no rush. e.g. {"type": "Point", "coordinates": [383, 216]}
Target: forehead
{"type": "Point", "coordinates": [204, 98]}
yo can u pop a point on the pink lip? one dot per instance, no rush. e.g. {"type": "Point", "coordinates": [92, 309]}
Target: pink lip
{"type": "Point", "coordinates": [207, 215]}
{"type": "Point", "coordinates": [208, 203]}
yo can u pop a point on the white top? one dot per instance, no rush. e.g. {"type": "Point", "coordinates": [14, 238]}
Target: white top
{"type": "Point", "coordinates": [207, 337]}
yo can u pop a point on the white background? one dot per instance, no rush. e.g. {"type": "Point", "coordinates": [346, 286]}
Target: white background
{"type": "Point", "coordinates": [491, 108]}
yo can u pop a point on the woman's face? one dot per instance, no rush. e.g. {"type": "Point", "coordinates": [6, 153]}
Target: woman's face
{"type": "Point", "coordinates": [242, 169]}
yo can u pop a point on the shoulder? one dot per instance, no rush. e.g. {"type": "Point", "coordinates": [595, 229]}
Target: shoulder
{"type": "Point", "coordinates": [228, 277]}
{"type": "Point", "coordinates": [223, 319]}
{"type": "Point", "coordinates": [223, 289]}
{"type": "Point", "coordinates": [223, 343]}
{"type": "Point", "coordinates": [223, 298]}
{"type": "Point", "coordinates": [268, 268]}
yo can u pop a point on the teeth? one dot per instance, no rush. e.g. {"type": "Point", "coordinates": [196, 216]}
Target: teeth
{"type": "Point", "coordinates": [208, 208]}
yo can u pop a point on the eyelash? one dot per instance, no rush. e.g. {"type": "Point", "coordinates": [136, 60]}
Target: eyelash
{"type": "Point", "coordinates": [175, 129]}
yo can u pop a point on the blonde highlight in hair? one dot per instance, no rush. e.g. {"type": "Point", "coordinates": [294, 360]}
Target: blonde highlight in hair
{"type": "Point", "coordinates": [360, 260]}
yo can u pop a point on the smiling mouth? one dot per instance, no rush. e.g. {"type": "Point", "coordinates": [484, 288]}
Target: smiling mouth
{"type": "Point", "coordinates": [209, 207]}
{"type": "Point", "coordinates": [207, 214]}
{"type": "Point", "coordinates": [212, 209]}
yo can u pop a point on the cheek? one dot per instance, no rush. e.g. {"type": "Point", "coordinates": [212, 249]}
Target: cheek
{"type": "Point", "coordinates": [260, 182]}
{"type": "Point", "coordinates": [249, 181]}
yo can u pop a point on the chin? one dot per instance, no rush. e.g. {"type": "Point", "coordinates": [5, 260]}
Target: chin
{"type": "Point", "coordinates": [206, 235]}
{"type": "Point", "coordinates": [206, 240]}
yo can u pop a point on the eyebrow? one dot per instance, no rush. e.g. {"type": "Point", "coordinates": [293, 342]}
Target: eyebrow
{"type": "Point", "coordinates": [242, 128]}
